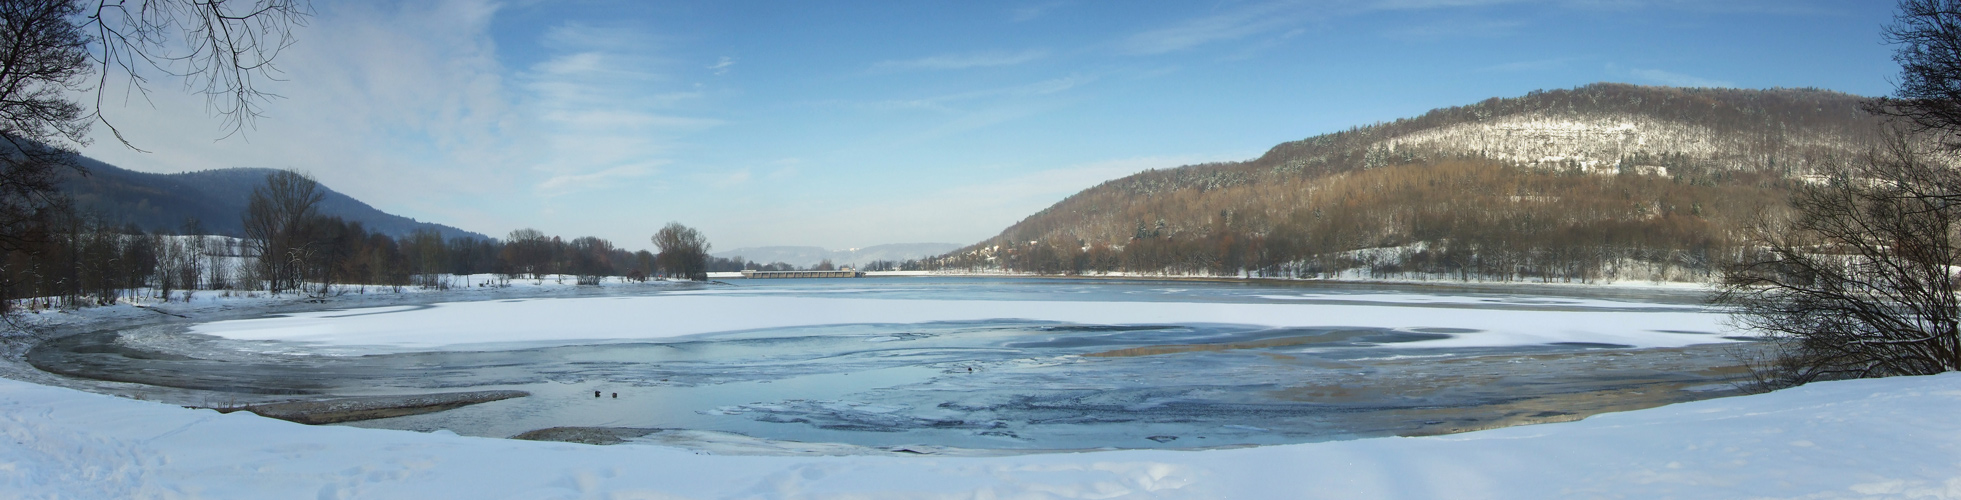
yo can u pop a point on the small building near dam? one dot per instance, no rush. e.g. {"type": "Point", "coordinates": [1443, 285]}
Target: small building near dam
{"type": "Point", "coordinates": [841, 273]}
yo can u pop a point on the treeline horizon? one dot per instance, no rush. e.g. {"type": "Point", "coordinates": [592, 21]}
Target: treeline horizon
{"type": "Point", "coordinates": [71, 260]}
{"type": "Point", "coordinates": [1457, 219]}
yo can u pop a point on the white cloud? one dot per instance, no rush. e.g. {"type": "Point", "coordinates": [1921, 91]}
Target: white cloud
{"type": "Point", "coordinates": [1456, 28]}
{"type": "Point", "coordinates": [962, 61]}
{"type": "Point", "coordinates": [606, 113]}
{"type": "Point", "coordinates": [564, 183]}
{"type": "Point", "coordinates": [721, 67]}
{"type": "Point", "coordinates": [727, 180]}
{"type": "Point", "coordinates": [1436, 4]}
{"type": "Point", "coordinates": [1533, 65]}
{"type": "Point", "coordinates": [1032, 12]}
{"type": "Point", "coordinates": [959, 214]}
{"type": "Point", "coordinates": [944, 103]}
{"type": "Point", "coordinates": [408, 106]}
{"type": "Point", "coordinates": [1231, 25]}
{"type": "Point", "coordinates": [385, 103]}
{"type": "Point", "coordinates": [1676, 79]}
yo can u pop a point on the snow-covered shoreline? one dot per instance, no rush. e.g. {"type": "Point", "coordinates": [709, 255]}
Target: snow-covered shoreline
{"type": "Point", "coordinates": [1346, 278]}
{"type": "Point", "coordinates": [1886, 438]}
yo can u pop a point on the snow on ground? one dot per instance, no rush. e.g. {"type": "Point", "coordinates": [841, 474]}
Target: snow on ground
{"type": "Point", "coordinates": [1886, 438]}
{"type": "Point", "coordinates": [461, 287]}
{"type": "Point", "coordinates": [1411, 298]}
{"type": "Point", "coordinates": [1360, 276]}
{"type": "Point", "coordinates": [476, 325]}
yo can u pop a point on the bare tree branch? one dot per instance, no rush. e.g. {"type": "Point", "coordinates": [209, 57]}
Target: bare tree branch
{"type": "Point", "coordinates": [223, 49]}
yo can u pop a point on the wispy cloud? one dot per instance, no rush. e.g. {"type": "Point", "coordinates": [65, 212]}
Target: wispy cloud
{"type": "Point", "coordinates": [1231, 25]}
{"type": "Point", "coordinates": [619, 119]}
{"type": "Point", "coordinates": [1257, 23]}
{"type": "Point", "coordinates": [962, 61]}
{"type": "Point", "coordinates": [418, 86]}
{"type": "Point", "coordinates": [1767, 6]}
{"type": "Point", "coordinates": [1439, 4]}
{"type": "Point", "coordinates": [1032, 12]}
{"type": "Point", "coordinates": [726, 179]}
{"type": "Point", "coordinates": [966, 212]}
{"type": "Point", "coordinates": [946, 102]}
{"type": "Point", "coordinates": [566, 183]}
{"type": "Point", "coordinates": [1772, 7]}
{"type": "Point", "coordinates": [1674, 79]}
{"type": "Point", "coordinates": [1456, 29]}
{"type": "Point", "coordinates": [1533, 65]}
{"type": "Point", "coordinates": [785, 169]}
{"type": "Point", "coordinates": [721, 67]}
{"type": "Point", "coordinates": [1284, 17]}
{"type": "Point", "coordinates": [605, 111]}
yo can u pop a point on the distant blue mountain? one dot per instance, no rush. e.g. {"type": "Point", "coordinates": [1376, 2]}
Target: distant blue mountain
{"type": "Point", "coordinates": [216, 198]}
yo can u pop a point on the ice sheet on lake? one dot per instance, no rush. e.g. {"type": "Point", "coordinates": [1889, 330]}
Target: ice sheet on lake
{"type": "Point", "coordinates": [476, 325]}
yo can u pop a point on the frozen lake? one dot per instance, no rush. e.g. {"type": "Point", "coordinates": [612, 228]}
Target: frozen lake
{"type": "Point", "coordinates": [972, 363]}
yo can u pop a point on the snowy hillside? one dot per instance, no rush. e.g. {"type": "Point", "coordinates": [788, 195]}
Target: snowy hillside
{"type": "Point", "coordinates": [1884, 438]}
{"type": "Point", "coordinates": [1603, 144]}
{"type": "Point", "coordinates": [1668, 177]}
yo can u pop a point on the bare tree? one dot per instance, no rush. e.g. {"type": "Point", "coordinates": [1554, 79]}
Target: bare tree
{"type": "Point", "coordinates": [43, 58]}
{"type": "Point", "coordinates": [590, 259]}
{"type": "Point", "coordinates": [50, 48]}
{"type": "Point", "coordinates": [277, 217]}
{"type": "Point", "coordinates": [1928, 33]}
{"type": "Point", "coordinates": [683, 252]}
{"type": "Point", "coordinates": [527, 252]}
{"type": "Point", "coordinates": [428, 258]}
{"type": "Point", "coordinates": [223, 49]}
{"type": "Point", "coordinates": [1860, 281]}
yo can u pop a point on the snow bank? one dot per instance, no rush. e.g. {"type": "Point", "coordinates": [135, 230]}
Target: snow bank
{"type": "Point", "coordinates": [465, 325]}
{"type": "Point", "coordinates": [1889, 438]}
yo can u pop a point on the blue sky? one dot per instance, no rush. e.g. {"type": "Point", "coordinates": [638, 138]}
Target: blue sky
{"type": "Point", "coordinates": [847, 124]}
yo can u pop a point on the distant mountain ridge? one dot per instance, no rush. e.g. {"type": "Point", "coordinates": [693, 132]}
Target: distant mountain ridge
{"type": "Point", "coordinates": [1682, 133]}
{"type": "Point", "coordinates": [1605, 181]}
{"type": "Point", "coordinates": [216, 198]}
{"type": "Point", "coordinates": [811, 256]}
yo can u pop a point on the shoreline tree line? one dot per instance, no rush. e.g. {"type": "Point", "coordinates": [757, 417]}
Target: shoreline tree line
{"type": "Point", "coordinates": [290, 247]}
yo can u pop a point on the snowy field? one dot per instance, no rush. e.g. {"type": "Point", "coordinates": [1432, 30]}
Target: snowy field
{"type": "Point", "coordinates": [1889, 438]}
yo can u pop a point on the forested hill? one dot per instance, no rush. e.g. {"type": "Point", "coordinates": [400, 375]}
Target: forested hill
{"type": "Point", "coordinates": [216, 198]}
{"type": "Point", "coordinates": [1627, 175]}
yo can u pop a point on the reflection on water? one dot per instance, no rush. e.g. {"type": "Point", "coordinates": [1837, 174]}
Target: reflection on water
{"type": "Point", "coordinates": [1004, 384]}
